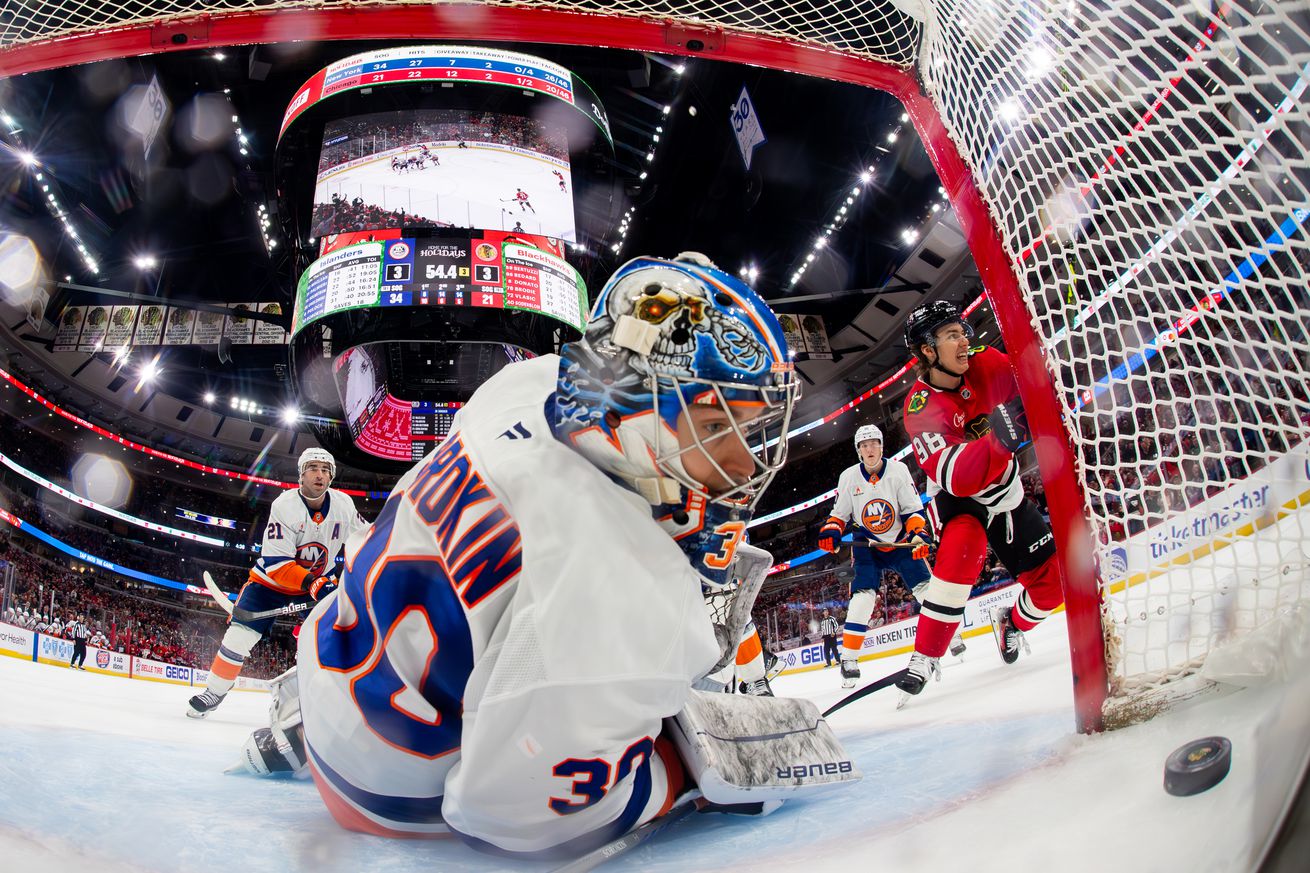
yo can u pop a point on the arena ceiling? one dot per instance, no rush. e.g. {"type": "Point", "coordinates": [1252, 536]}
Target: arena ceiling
{"type": "Point", "coordinates": [192, 206]}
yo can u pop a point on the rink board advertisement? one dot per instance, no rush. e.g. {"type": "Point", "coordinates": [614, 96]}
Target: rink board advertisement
{"type": "Point", "coordinates": [17, 642]}
{"type": "Point", "coordinates": [483, 269]}
{"type": "Point", "coordinates": [158, 671]}
{"type": "Point", "coordinates": [53, 650]}
{"type": "Point", "coordinates": [898, 638]}
{"type": "Point", "coordinates": [1232, 512]}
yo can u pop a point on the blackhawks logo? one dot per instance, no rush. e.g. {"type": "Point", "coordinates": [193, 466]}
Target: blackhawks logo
{"type": "Point", "coordinates": [918, 401]}
{"type": "Point", "coordinates": [976, 349]}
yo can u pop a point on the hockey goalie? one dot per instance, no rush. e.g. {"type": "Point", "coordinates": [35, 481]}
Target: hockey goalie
{"type": "Point", "coordinates": [519, 653]}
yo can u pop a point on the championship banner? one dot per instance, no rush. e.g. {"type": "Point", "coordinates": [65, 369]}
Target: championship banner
{"type": "Point", "coordinates": [150, 326]}
{"type": "Point", "coordinates": [180, 325]}
{"type": "Point", "coordinates": [70, 328]}
{"type": "Point", "coordinates": [238, 329]}
{"type": "Point", "coordinates": [267, 334]}
{"type": "Point", "coordinates": [94, 329]}
{"type": "Point", "coordinates": [806, 335]}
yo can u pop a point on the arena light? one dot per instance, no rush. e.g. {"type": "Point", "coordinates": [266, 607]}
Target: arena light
{"type": "Point", "coordinates": [28, 159]}
{"type": "Point", "coordinates": [209, 397]}
{"type": "Point", "coordinates": [145, 262]}
{"type": "Point", "coordinates": [290, 415]}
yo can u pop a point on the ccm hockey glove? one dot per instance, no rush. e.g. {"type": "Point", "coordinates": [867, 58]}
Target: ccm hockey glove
{"type": "Point", "coordinates": [1010, 424]}
{"type": "Point", "coordinates": [922, 541]}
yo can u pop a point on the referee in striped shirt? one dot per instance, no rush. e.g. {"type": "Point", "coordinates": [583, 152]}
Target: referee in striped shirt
{"type": "Point", "coordinates": [78, 630]}
{"type": "Point", "coordinates": [828, 630]}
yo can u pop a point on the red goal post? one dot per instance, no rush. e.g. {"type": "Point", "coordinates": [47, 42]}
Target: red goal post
{"type": "Point", "coordinates": [1087, 148]}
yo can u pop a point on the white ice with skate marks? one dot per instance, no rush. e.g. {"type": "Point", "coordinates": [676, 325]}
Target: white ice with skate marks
{"type": "Point", "coordinates": [471, 187]}
{"type": "Point", "coordinates": [982, 769]}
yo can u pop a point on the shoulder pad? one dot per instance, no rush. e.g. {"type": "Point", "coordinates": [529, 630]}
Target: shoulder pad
{"type": "Point", "coordinates": [918, 401]}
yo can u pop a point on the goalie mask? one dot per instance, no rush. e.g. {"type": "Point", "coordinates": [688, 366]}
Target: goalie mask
{"type": "Point", "coordinates": [664, 337]}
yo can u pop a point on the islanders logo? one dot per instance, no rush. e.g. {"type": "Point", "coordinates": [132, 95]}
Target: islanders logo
{"type": "Point", "coordinates": [878, 516]}
{"type": "Point", "coordinates": [313, 557]}
{"type": "Point", "coordinates": [102, 659]}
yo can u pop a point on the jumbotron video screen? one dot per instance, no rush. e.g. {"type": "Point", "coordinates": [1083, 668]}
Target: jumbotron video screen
{"type": "Point", "coordinates": [444, 168]}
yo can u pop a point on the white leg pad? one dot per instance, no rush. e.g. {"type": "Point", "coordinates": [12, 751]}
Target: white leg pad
{"type": "Point", "coordinates": [744, 749]}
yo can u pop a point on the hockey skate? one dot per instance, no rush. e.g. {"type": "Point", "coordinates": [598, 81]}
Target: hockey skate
{"type": "Point", "coordinates": [204, 703]}
{"type": "Point", "coordinates": [758, 688]}
{"type": "Point", "coordinates": [957, 645]}
{"type": "Point", "coordinates": [920, 669]}
{"type": "Point", "coordinates": [1008, 637]}
{"type": "Point", "coordinates": [850, 672]}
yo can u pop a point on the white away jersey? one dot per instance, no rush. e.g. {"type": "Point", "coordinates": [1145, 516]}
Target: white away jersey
{"type": "Point", "coordinates": [300, 544]}
{"type": "Point", "coordinates": [505, 642]}
{"type": "Point", "coordinates": [877, 505]}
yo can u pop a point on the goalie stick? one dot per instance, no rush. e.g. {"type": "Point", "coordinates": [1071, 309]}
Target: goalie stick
{"type": "Point", "coordinates": [882, 683]}
{"type": "Point", "coordinates": [629, 841]}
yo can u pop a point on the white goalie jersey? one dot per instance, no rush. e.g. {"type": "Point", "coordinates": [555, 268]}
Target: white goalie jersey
{"type": "Point", "coordinates": [878, 505]}
{"type": "Point", "coordinates": [506, 640]}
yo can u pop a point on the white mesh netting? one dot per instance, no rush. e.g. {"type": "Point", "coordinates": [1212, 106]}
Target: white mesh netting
{"type": "Point", "coordinates": [876, 30]}
{"type": "Point", "coordinates": [1144, 163]}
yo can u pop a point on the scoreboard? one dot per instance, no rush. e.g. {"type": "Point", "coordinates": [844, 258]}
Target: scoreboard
{"type": "Point", "coordinates": [489, 269]}
{"type": "Point", "coordinates": [425, 64]}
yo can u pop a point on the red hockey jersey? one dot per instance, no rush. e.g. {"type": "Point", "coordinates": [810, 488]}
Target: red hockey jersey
{"type": "Point", "coordinates": [951, 437]}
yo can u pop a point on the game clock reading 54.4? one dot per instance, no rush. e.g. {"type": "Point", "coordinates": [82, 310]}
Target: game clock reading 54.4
{"type": "Point", "coordinates": [491, 269]}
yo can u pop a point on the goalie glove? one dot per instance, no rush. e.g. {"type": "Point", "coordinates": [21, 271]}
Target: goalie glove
{"type": "Point", "coordinates": [830, 535]}
{"type": "Point", "coordinates": [1009, 424]}
{"type": "Point", "coordinates": [322, 586]}
{"type": "Point", "coordinates": [919, 536]}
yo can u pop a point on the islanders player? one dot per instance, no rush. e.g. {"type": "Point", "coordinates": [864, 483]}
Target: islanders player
{"type": "Point", "coordinates": [965, 421]}
{"type": "Point", "coordinates": [878, 495]}
{"type": "Point", "coordinates": [307, 527]}
{"type": "Point", "coordinates": [512, 631]}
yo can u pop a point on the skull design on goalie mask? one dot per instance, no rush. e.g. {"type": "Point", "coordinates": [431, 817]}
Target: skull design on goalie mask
{"type": "Point", "coordinates": [664, 337]}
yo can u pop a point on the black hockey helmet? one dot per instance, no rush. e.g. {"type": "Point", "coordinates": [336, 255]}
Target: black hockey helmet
{"type": "Point", "coordinates": [921, 327]}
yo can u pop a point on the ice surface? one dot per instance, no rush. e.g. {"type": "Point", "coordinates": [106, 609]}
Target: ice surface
{"type": "Point", "coordinates": [106, 771]}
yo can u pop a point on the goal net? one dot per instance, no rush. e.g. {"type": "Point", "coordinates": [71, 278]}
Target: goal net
{"type": "Point", "coordinates": [1133, 180]}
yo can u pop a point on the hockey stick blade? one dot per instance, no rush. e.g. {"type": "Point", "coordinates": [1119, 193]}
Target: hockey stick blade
{"type": "Point", "coordinates": [629, 841]}
{"type": "Point", "coordinates": [882, 683]}
{"type": "Point", "coordinates": [216, 592]}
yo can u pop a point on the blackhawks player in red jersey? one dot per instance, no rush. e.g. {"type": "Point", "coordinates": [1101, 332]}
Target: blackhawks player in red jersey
{"type": "Point", "coordinates": [965, 422]}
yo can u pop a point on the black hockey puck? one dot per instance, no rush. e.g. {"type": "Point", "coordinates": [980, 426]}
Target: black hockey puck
{"type": "Point", "coordinates": [1197, 766]}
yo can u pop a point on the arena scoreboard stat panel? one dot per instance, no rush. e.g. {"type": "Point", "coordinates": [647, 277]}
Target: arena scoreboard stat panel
{"type": "Point", "coordinates": [425, 64]}
{"type": "Point", "coordinates": [488, 269]}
